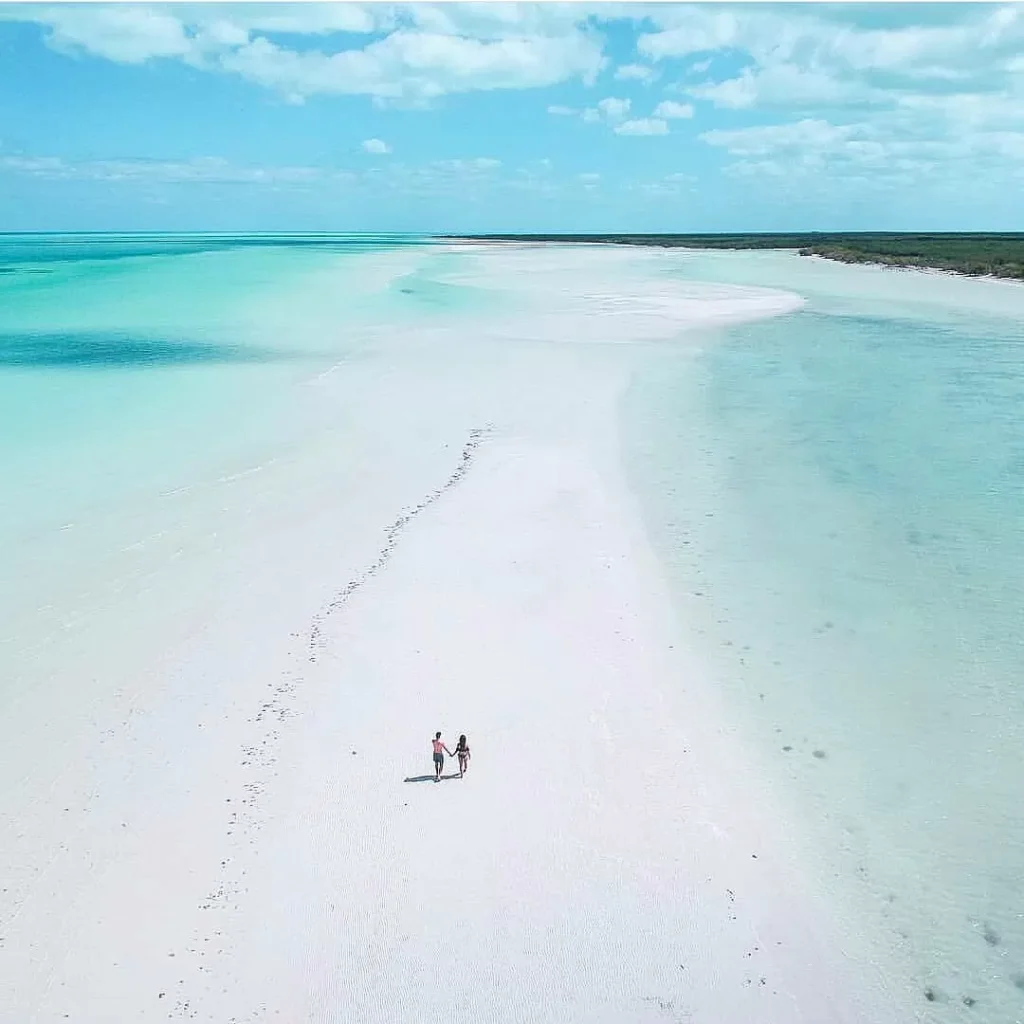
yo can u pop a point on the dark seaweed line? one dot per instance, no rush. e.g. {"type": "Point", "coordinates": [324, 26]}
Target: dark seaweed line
{"type": "Point", "coordinates": [391, 534]}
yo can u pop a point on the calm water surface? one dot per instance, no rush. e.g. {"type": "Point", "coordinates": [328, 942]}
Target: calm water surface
{"type": "Point", "coordinates": [839, 493]}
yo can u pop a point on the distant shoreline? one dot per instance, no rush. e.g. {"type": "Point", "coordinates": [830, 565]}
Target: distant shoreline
{"type": "Point", "coordinates": [996, 255]}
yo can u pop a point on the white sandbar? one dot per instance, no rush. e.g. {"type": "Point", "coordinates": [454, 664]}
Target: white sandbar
{"type": "Point", "coordinates": [204, 793]}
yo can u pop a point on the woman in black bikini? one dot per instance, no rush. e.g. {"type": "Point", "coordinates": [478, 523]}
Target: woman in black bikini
{"type": "Point", "coordinates": [462, 750]}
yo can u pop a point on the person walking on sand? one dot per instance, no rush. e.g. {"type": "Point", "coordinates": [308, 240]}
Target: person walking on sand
{"type": "Point", "coordinates": [462, 749]}
{"type": "Point", "coordinates": [439, 751]}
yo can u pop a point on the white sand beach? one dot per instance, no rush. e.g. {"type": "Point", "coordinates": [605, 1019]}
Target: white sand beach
{"type": "Point", "coordinates": [215, 788]}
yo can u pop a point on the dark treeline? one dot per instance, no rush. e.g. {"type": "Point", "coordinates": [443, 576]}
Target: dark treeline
{"type": "Point", "coordinates": [998, 255]}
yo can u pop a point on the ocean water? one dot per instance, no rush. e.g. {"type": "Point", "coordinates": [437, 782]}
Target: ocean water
{"type": "Point", "coordinates": [839, 495]}
{"type": "Point", "coordinates": [135, 370]}
{"type": "Point", "coordinates": [836, 492]}
{"type": "Point", "coordinates": [162, 344]}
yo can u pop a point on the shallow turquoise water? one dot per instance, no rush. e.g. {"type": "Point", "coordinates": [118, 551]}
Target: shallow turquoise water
{"type": "Point", "coordinates": [133, 367]}
{"type": "Point", "coordinates": [127, 362]}
{"type": "Point", "coordinates": [839, 494]}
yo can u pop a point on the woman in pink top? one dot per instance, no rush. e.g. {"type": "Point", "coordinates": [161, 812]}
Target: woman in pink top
{"type": "Point", "coordinates": [439, 751]}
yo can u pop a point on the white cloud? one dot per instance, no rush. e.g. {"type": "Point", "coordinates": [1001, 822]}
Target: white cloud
{"type": "Point", "coordinates": [686, 30]}
{"type": "Point", "coordinates": [765, 139]}
{"type": "Point", "coordinates": [435, 176]}
{"type": "Point", "coordinates": [304, 19]}
{"type": "Point", "coordinates": [498, 20]}
{"type": "Point", "coordinates": [643, 126]}
{"type": "Point", "coordinates": [771, 35]}
{"type": "Point", "coordinates": [123, 33]}
{"type": "Point", "coordinates": [424, 52]}
{"type": "Point", "coordinates": [376, 146]}
{"type": "Point", "coordinates": [789, 86]}
{"type": "Point", "coordinates": [929, 96]}
{"type": "Point", "coordinates": [613, 109]}
{"type": "Point", "coordinates": [37, 166]}
{"type": "Point", "coordinates": [671, 110]}
{"type": "Point", "coordinates": [967, 111]}
{"type": "Point", "coordinates": [210, 170]}
{"type": "Point", "coordinates": [876, 154]}
{"type": "Point", "coordinates": [418, 67]}
{"type": "Point", "coordinates": [472, 177]}
{"type": "Point", "coordinates": [635, 73]}
{"type": "Point", "coordinates": [466, 178]}
{"type": "Point", "coordinates": [922, 102]}
{"type": "Point", "coordinates": [807, 59]}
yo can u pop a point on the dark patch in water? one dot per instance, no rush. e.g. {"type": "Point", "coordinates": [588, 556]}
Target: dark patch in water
{"type": "Point", "coordinates": [990, 935]}
{"type": "Point", "coordinates": [1018, 980]}
{"type": "Point", "coordinates": [969, 1000]}
{"type": "Point", "coordinates": [96, 349]}
{"type": "Point", "coordinates": [787, 749]}
{"type": "Point", "coordinates": [73, 248]}
{"type": "Point", "coordinates": [819, 754]}
{"type": "Point", "coordinates": [934, 995]}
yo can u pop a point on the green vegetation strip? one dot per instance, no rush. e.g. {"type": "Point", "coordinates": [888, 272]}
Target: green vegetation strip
{"type": "Point", "coordinates": [995, 255]}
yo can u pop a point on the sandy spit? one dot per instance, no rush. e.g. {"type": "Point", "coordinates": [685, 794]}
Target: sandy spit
{"type": "Point", "coordinates": [222, 816]}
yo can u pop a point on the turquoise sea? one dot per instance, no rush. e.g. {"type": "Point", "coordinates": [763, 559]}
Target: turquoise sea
{"type": "Point", "coordinates": [837, 493]}
{"type": "Point", "coordinates": [117, 353]}
{"type": "Point", "coordinates": [133, 367]}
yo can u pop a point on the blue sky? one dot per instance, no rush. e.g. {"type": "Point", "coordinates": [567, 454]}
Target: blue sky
{"type": "Point", "coordinates": [512, 117]}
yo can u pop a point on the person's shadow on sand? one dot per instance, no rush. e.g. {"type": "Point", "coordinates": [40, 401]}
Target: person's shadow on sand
{"type": "Point", "coordinates": [430, 778]}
